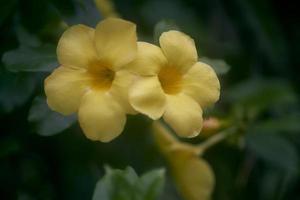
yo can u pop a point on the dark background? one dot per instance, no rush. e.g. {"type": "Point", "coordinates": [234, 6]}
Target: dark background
{"type": "Point", "coordinates": [46, 156]}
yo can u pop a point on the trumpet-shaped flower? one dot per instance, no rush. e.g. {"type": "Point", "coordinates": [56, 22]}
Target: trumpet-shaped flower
{"type": "Point", "coordinates": [91, 80]}
{"type": "Point", "coordinates": [194, 178]}
{"type": "Point", "coordinates": [172, 83]}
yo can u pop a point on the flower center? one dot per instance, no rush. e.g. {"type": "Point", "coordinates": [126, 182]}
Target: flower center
{"type": "Point", "coordinates": [102, 75]}
{"type": "Point", "coordinates": [170, 79]}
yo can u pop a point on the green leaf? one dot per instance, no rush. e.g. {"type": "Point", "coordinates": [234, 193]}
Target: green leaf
{"type": "Point", "coordinates": [86, 12]}
{"type": "Point", "coordinates": [274, 183]}
{"type": "Point", "coordinates": [126, 185]}
{"type": "Point", "coordinates": [288, 124]}
{"type": "Point", "coordinates": [47, 122]}
{"type": "Point", "coordinates": [15, 89]}
{"type": "Point", "coordinates": [274, 149]}
{"type": "Point", "coordinates": [115, 185]}
{"type": "Point", "coordinates": [259, 95]}
{"type": "Point", "coordinates": [220, 66]}
{"type": "Point", "coordinates": [31, 59]}
{"type": "Point", "coordinates": [267, 91]}
{"type": "Point", "coordinates": [25, 38]}
{"type": "Point", "coordinates": [151, 184]}
{"type": "Point", "coordinates": [163, 26]}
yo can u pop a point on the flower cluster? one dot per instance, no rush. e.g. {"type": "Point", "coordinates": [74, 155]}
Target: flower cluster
{"type": "Point", "coordinates": [105, 73]}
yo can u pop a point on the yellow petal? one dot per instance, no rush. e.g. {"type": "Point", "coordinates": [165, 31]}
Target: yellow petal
{"type": "Point", "coordinates": [147, 97]}
{"type": "Point", "coordinates": [116, 42]}
{"type": "Point", "coordinates": [201, 83]}
{"type": "Point", "coordinates": [149, 60]}
{"type": "Point", "coordinates": [184, 115]}
{"type": "Point", "coordinates": [119, 89]}
{"type": "Point", "coordinates": [100, 116]}
{"type": "Point", "coordinates": [179, 49]}
{"type": "Point", "coordinates": [64, 89]}
{"type": "Point", "coordinates": [193, 176]}
{"type": "Point", "coordinates": [76, 46]}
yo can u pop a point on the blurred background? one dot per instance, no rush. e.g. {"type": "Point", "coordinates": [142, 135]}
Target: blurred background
{"type": "Point", "coordinates": [253, 46]}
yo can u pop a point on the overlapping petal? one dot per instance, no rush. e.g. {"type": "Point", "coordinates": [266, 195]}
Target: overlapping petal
{"type": "Point", "coordinates": [116, 42]}
{"type": "Point", "coordinates": [76, 47]}
{"type": "Point", "coordinates": [201, 83]}
{"type": "Point", "coordinates": [64, 88]}
{"type": "Point", "coordinates": [149, 60]}
{"type": "Point", "coordinates": [179, 50]}
{"type": "Point", "coordinates": [184, 115]}
{"type": "Point", "coordinates": [119, 89]}
{"type": "Point", "coordinates": [100, 116]}
{"type": "Point", "coordinates": [147, 97]}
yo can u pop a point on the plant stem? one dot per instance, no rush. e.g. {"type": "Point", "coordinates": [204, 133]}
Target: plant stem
{"type": "Point", "coordinates": [215, 139]}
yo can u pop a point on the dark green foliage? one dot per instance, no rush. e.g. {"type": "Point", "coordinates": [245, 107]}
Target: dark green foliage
{"type": "Point", "coordinates": [252, 45]}
{"type": "Point", "coordinates": [31, 59]}
{"type": "Point", "coordinates": [48, 122]}
{"type": "Point", "coordinates": [126, 185]}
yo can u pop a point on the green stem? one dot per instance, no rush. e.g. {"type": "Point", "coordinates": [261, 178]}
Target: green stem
{"type": "Point", "coordinates": [213, 140]}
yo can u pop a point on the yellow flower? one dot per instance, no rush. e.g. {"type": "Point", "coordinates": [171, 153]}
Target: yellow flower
{"type": "Point", "coordinates": [193, 176]}
{"type": "Point", "coordinates": [172, 83]}
{"type": "Point", "coordinates": [91, 79]}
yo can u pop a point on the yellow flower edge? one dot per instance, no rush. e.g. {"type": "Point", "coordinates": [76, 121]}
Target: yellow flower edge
{"type": "Point", "coordinates": [172, 83]}
{"type": "Point", "coordinates": [91, 79]}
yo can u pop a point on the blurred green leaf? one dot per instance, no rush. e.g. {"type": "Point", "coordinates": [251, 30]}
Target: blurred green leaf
{"type": "Point", "coordinates": [48, 122]}
{"type": "Point", "coordinates": [288, 123]}
{"type": "Point", "coordinates": [174, 11]}
{"type": "Point", "coordinates": [270, 91]}
{"type": "Point", "coordinates": [25, 38]}
{"type": "Point", "coordinates": [269, 182]}
{"type": "Point", "coordinates": [15, 89]}
{"type": "Point", "coordinates": [163, 26]}
{"type": "Point", "coordinates": [126, 185]}
{"type": "Point", "coordinates": [86, 13]}
{"type": "Point", "coordinates": [115, 185]}
{"type": "Point", "coordinates": [31, 59]}
{"type": "Point", "coordinates": [151, 184]}
{"type": "Point", "coordinates": [257, 95]}
{"type": "Point", "coordinates": [274, 149]}
{"type": "Point", "coordinates": [274, 183]}
{"type": "Point", "coordinates": [220, 66]}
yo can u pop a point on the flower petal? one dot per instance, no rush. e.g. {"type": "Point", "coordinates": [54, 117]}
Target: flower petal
{"type": "Point", "coordinates": [149, 60]}
{"type": "Point", "coordinates": [201, 83]}
{"type": "Point", "coordinates": [119, 89]}
{"type": "Point", "coordinates": [147, 97]}
{"type": "Point", "coordinates": [179, 49]}
{"type": "Point", "coordinates": [193, 176]}
{"type": "Point", "coordinates": [184, 115]}
{"type": "Point", "coordinates": [100, 116]}
{"type": "Point", "coordinates": [76, 46]}
{"type": "Point", "coordinates": [64, 88]}
{"type": "Point", "coordinates": [116, 41]}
